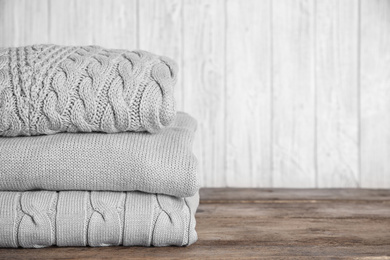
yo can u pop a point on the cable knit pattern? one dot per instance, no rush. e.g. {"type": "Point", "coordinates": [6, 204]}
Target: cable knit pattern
{"type": "Point", "coordinates": [35, 227]}
{"type": "Point", "coordinates": [155, 163]}
{"type": "Point", "coordinates": [79, 218]}
{"type": "Point", "coordinates": [105, 227]}
{"type": "Point", "coordinates": [47, 89]}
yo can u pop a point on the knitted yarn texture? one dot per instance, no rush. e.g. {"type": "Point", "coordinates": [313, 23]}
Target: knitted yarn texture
{"type": "Point", "coordinates": [155, 163]}
{"type": "Point", "coordinates": [47, 89]}
{"type": "Point", "coordinates": [79, 218]}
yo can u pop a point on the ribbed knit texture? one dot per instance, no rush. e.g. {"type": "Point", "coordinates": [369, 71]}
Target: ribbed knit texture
{"type": "Point", "coordinates": [47, 89]}
{"type": "Point", "coordinates": [38, 219]}
{"type": "Point", "coordinates": [154, 163]}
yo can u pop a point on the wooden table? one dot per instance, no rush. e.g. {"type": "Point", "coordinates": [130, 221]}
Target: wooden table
{"type": "Point", "coordinates": [268, 224]}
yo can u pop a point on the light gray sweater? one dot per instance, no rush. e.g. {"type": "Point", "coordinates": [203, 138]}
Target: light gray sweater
{"type": "Point", "coordinates": [47, 89]}
{"type": "Point", "coordinates": [80, 218]}
{"type": "Point", "coordinates": [154, 163]}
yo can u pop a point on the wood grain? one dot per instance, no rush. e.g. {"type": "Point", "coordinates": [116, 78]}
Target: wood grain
{"type": "Point", "coordinates": [114, 25]}
{"type": "Point", "coordinates": [375, 93]}
{"type": "Point", "coordinates": [248, 97]}
{"type": "Point", "coordinates": [266, 224]}
{"type": "Point", "coordinates": [71, 22]}
{"type": "Point", "coordinates": [337, 100]}
{"type": "Point", "coordinates": [92, 22]}
{"type": "Point", "coordinates": [240, 195]}
{"type": "Point", "coordinates": [204, 84]}
{"type": "Point", "coordinates": [23, 22]}
{"type": "Point", "coordinates": [293, 94]}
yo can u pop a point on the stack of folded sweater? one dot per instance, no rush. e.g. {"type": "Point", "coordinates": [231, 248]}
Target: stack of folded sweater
{"type": "Point", "coordinates": [92, 151]}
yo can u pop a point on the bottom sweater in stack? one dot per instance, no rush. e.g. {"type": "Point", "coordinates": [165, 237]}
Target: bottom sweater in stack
{"type": "Point", "coordinates": [35, 219]}
{"type": "Point", "coordinates": [95, 189]}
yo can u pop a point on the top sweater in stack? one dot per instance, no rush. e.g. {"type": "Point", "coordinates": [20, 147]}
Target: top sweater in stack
{"type": "Point", "coordinates": [47, 89]}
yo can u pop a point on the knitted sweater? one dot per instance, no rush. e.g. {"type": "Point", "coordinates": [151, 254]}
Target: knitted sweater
{"type": "Point", "coordinates": [79, 218]}
{"type": "Point", "coordinates": [47, 89]}
{"type": "Point", "coordinates": [154, 163]}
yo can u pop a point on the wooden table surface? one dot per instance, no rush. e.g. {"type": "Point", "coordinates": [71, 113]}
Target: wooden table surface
{"type": "Point", "coordinates": [268, 224]}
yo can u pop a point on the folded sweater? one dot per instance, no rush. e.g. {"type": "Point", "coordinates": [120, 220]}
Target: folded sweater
{"type": "Point", "coordinates": [47, 89]}
{"type": "Point", "coordinates": [154, 163]}
{"type": "Point", "coordinates": [80, 218]}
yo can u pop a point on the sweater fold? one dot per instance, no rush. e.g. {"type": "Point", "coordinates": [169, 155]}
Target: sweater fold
{"type": "Point", "coordinates": [154, 163]}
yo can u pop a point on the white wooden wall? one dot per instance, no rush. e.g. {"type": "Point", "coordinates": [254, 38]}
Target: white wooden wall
{"type": "Point", "coordinates": [288, 93]}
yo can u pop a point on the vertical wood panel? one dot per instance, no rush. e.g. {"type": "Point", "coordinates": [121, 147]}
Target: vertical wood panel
{"type": "Point", "coordinates": [160, 31]}
{"type": "Point", "coordinates": [94, 22]}
{"type": "Point", "coordinates": [293, 94]}
{"type": "Point", "coordinates": [375, 93]}
{"type": "Point", "coordinates": [71, 22]}
{"type": "Point", "coordinates": [204, 83]}
{"type": "Point", "coordinates": [115, 24]}
{"type": "Point", "coordinates": [7, 23]}
{"type": "Point", "coordinates": [337, 93]}
{"type": "Point", "coordinates": [248, 102]}
{"type": "Point", "coordinates": [23, 22]}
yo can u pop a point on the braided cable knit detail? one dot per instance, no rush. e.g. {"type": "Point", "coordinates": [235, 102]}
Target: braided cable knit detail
{"type": "Point", "coordinates": [47, 89]}
{"type": "Point", "coordinates": [105, 225]}
{"type": "Point", "coordinates": [35, 228]}
{"type": "Point", "coordinates": [10, 121]}
{"type": "Point", "coordinates": [170, 218]}
{"type": "Point", "coordinates": [5, 91]}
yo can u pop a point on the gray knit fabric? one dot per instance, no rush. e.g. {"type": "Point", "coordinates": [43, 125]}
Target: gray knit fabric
{"type": "Point", "coordinates": [154, 163]}
{"type": "Point", "coordinates": [79, 218]}
{"type": "Point", "coordinates": [47, 89]}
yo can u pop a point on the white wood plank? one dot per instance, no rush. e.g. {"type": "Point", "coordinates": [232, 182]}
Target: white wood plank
{"type": "Point", "coordinates": [7, 38]}
{"type": "Point", "coordinates": [71, 22]}
{"type": "Point", "coordinates": [160, 32]}
{"type": "Point", "coordinates": [115, 24]}
{"type": "Point", "coordinates": [248, 103]}
{"type": "Point", "coordinates": [293, 93]}
{"type": "Point", "coordinates": [337, 25]}
{"type": "Point", "coordinates": [94, 22]}
{"type": "Point", "coordinates": [204, 83]}
{"type": "Point", "coordinates": [375, 93]}
{"type": "Point", "coordinates": [23, 22]}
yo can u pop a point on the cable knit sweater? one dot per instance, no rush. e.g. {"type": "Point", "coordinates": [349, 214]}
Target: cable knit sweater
{"type": "Point", "coordinates": [36, 219]}
{"type": "Point", "coordinates": [47, 89]}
